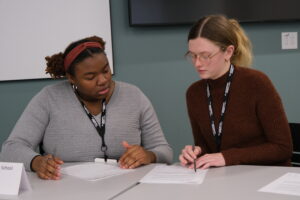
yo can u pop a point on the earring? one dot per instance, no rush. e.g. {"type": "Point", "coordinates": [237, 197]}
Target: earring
{"type": "Point", "coordinates": [74, 87]}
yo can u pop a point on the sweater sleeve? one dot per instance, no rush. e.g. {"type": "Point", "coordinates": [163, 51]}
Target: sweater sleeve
{"type": "Point", "coordinates": [277, 147]}
{"type": "Point", "coordinates": [28, 132]}
{"type": "Point", "coordinates": [151, 133]}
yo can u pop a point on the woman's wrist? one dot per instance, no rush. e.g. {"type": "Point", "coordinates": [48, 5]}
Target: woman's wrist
{"type": "Point", "coordinates": [34, 163]}
{"type": "Point", "coordinates": [151, 156]}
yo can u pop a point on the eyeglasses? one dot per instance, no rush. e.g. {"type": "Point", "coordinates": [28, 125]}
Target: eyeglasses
{"type": "Point", "coordinates": [203, 57]}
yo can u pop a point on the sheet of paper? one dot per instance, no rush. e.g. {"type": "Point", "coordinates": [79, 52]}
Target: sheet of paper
{"type": "Point", "coordinates": [174, 174]}
{"type": "Point", "coordinates": [289, 183]}
{"type": "Point", "coordinates": [95, 171]}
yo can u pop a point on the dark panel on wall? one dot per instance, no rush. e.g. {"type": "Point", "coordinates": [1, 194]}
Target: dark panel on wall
{"type": "Point", "coordinates": [177, 12]}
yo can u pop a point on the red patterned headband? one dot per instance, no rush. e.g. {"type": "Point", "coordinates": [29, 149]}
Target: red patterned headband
{"type": "Point", "coordinates": [77, 50]}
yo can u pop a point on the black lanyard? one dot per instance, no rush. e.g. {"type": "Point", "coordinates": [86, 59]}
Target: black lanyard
{"type": "Point", "coordinates": [218, 133]}
{"type": "Point", "coordinates": [100, 128]}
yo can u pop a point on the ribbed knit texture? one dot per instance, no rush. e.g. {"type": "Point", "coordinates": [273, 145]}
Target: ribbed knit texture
{"type": "Point", "coordinates": [255, 129]}
{"type": "Point", "coordinates": [56, 117]}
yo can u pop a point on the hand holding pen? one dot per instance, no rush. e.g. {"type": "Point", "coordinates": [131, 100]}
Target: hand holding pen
{"type": "Point", "coordinates": [195, 169]}
{"type": "Point", "coordinates": [189, 155]}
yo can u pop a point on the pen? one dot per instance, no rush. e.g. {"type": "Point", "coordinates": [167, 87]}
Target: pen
{"type": "Point", "coordinates": [195, 169]}
{"type": "Point", "coordinates": [52, 156]}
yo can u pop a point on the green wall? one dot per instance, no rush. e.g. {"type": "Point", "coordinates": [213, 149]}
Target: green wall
{"type": "Point", "coordinates": [152, 59]}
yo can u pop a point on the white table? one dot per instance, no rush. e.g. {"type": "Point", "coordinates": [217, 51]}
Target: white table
{"type": "Point", "coordinates": [232, 183]}
{"type": "Point", "coordinates": [225, 183]}
{"type": "Point", "coordinates": [71, 188]}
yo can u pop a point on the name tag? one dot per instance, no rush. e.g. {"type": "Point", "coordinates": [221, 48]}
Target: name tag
{"type": "Point", "coordinates": [101, 160]}
{"type": "Point", "coordinates": [13, 178]}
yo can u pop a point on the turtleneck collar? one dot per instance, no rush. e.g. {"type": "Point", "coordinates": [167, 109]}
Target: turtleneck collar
{"type": "Point", "coordinates": [219, 82]}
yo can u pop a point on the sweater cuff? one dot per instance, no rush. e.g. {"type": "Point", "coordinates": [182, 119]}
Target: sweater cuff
{"type": "Point", "coordinates": [230, 158]}
{"type": "Point", "coordinates": [163, 157]}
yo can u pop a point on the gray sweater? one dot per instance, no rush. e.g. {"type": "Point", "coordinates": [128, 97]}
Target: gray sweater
{"type": "Point", "coordinates": [56, 118]}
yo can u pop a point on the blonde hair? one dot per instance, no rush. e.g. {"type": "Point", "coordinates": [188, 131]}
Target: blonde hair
{"type": "Point", "coordinates": [224, 32]}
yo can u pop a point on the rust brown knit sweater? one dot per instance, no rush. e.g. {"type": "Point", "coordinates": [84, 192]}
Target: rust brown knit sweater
{"type": "Point", "coordinates": [255, 129]}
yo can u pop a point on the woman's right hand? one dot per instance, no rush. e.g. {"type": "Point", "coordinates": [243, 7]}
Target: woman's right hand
{"type": "Point", "coordinates": [47, 167]}
{"type": "Point", "coordinates": [188, 155]}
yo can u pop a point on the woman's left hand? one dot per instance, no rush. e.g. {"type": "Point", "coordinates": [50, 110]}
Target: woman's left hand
{"type": "Point", "coordinates": [135, 156]}
{"type": "Point", "coordinates": [210, 160]}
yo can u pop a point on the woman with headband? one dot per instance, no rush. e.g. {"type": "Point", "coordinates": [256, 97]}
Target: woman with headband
{"type": "Point", "coordinates": [86, 117]}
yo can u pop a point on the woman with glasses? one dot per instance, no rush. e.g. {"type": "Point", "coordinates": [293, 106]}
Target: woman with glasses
{"type": "Point", "coordinates": [236, 115]}
{"type": "Point", "coordinates": [87, 116]}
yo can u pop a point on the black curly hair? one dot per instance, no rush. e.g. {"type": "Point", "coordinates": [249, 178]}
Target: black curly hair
{"type": "Point", "coordinates": [55, 63]}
